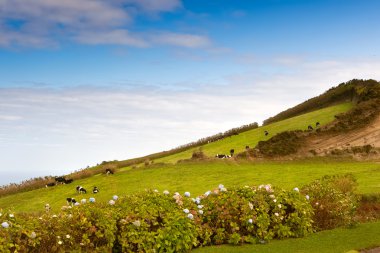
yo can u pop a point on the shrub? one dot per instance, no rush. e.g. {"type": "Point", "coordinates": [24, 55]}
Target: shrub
{"type": "Point", "coordinates": [334, 201]}
{"type": "Point", "coordinates": [284, 143]}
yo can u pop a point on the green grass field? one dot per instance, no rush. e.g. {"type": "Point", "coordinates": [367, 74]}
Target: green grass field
{"type": "Point", "coordinates": [338, 240]}
{"type": "Point", "coordinates": [252, 137]}
{"type": "Point", "coordinates": [198, 178]}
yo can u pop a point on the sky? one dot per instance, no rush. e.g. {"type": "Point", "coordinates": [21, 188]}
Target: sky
{"type": "Point", "coordinates": [87, 81]}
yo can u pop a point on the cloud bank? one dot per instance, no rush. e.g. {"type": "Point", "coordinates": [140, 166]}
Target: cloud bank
{"type": "Point", "coordinates": [45, 23]}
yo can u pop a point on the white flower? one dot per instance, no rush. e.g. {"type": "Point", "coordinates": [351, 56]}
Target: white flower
{"type": "Point", "coordinates": [200, 206]}
{"type": "Point", "coordinates": [197, 200]}
{"type": "Point", "coordinates": [207, 193]}
{"type": "Point", "coordinates": [68, 236]}
{"type": "Point", "coordinates": [296, 189]}
{"type": "Point", "coordinates": [1, 214]}
{"type": "Point", "coordinates": [81, 244]}
{"type": "Point", "coordinates": [176, 194]}
{"type": "Point", "coordinates": [76, 204]}
{"type": "Point", "coordinates": [5, 224]}
{"type": "Point", "coordinates": [115, 197]}
{"type": "Point", "coordinates": [316, 203]}
{"type": "Point", "coordinates": [155, 190]}
{"type": "Point", "coordinates": [54, 216]}
{"type": "Point", "coordinates": [187, 194]}
{"type": "Point", "coordinates": [200, 211]}
{"type": "Point", "coordinates": [279, 205]}
{"type": "Point", "coordinates": [268, 187]}
{"type": "Point", "coordinates": [186, 210]}
{"type": "Point", "coordinates": [250, 221]}
{"type": "Point", "coordinates": [11, 215]}
{"type": "Point", "coordinates": [271, 196]}
{"type": "Point", "coordinates": [33, 235]}
{"type": "Point", "coordinates": [307, 197]}
{"type": "Point", "coordinates": [92, 200]}
{"type": "Point", "coordinates": [111, 202]}
{"type": "Point", "coordinates": [223, 189]}
{"type": "Point", "coordinates": [136, 223]}
{"type": "Point", "coordinates": [250, 205]}
{"type": "Point", "coordinates": [83, 201]}
{"type": "Point", "coordinates": [275, 200]}
{"type": "Point", "coordinates": [190, 216]}
{"type": "Point", "coordinates": [59, 242]}
{"type": "Point", "coordinates": [221, 186]}
{"type": "Point", "coordinates": [166, 192]}
{"type": "Point", "coordinates": [58, 237]}
{"type": "Point", "coordinates": [276, 214]}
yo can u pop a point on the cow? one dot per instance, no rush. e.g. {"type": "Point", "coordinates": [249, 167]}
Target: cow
{"type": "Point", "coordinates": [47, 208]}
{"type": "Point", "coordinates": [109, 171]}
{"type": "Point", "coordinates": [71, 201]}
{"type": "Point", "coordinates": [221, 156]}
{"type": "Point", "coordinates": [266, 133]}
{"type": "Point", "coordinates": [246, 147]}
{"type": "Point", "coordinates": [50, 184]}
{"type": "Point", "coordinates": [95, 190]}
{"type": "Point", "coordinates": [232, 151]}
{"type": "Point", "coordinates": [317, 124]}
{"type": "Point", "coordinates": [60, 180]}
{"type": "Point", "coordinates": [69, 181]}
{"type": "Point", "coordinates": [309, 127]}
{"type": "Point", "coordinates": [80, 189]}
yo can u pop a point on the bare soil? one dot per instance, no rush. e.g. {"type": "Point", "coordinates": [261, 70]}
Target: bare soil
{"type": "Point", "coordinates": [324, 144]}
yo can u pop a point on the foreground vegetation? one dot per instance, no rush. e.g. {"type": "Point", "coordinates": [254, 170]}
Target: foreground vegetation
{"type": "Point", "coordinates": [165, 222]}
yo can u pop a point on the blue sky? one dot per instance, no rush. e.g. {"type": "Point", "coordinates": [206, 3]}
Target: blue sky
{"type": "Point", "coordinates": [82, 82]}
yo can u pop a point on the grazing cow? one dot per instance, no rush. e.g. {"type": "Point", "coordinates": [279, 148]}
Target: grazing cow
{"type": "Point", "coordinates": [246, 147]}
{"type": "Point", "coordinates": [60, 180]}
{"type": "Point", "coordinates": [95, 190]}
{"type": "Point", "coordinates": [232, 151]}
{"type": "Point", "coordinates": [109, 171]}
{"type": "Point", "coordinates": [317, 124]}
{"type": "Point", "coordinates": [71, 201]}
{"type": "Point", "coordinates": [69, 181]}
{"type": "Point", "coordinates": [220, 156]}
{"type": "Point", "coordinates": [80, 189]}
{"type": "Point", "coordinates": [47, 208]}
{"type": "Point", "coordinates": [266, 133]}
{"type": "Point", "coordinates": [50, 184]}
{"type": "Point", "coordinates": [309, 127]}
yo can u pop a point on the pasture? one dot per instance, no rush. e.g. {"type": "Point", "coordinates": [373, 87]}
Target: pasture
{"type": "Point", "coordinates": [252, 137]}
{"type": "Point", "coordinates": [197, 178]}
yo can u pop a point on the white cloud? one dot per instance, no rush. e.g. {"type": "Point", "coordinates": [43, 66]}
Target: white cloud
{"type": "Point", "coordinates": [42, 23]}
{"type": "Point", "coordinates": [182, 40]}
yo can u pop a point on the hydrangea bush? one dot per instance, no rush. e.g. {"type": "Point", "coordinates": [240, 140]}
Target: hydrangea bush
{"type": "Point", "coordinates": [170, 222]}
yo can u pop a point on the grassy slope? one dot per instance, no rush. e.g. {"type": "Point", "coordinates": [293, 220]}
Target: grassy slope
{"type": "Point", "coordinates": [331, 241]}
{"type": "Point", "coordinates": [252, 137]}
{"type": "Point", "coordinates": [198, 178]}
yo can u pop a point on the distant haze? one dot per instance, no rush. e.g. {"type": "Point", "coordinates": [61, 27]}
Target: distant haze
{"type": "Point", "coordinates": [82, 83]}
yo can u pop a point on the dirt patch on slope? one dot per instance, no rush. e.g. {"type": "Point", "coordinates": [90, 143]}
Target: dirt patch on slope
{"type": "Point", "coordinates": [327, 144]}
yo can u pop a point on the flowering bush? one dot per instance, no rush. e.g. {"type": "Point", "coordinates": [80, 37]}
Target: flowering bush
{"type": "Point", "coordinates": [164, 222]}
{"type": "Point", "coordinates": [334, 201]}
{"type": "Point", "coordinates": [248, 214]}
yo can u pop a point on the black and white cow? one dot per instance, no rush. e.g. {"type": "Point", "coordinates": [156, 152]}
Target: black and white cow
{"type": "Point", "coordinates": [95, 190]}
{"type": "Point", "coordinates": [60, 180]}
{"type": "Point", "coordinates": [317, 124]}
{"type": "Point", "coordinates": [309, 127]}
{"type": "Point", "coordinates": [232, 151]}
{"type": "Point", "coordinates": [109, 171]}
{"type": "Point", "coordinates": [221, 156]}
{"type": "Point", "coordinates": [80, 189]}
{"type": "Point", "coordinates": [266, 133]}
{"type": "Point", "coordinates": [71, 201]}
{"type": "Point", "coordinates": [246, 147]}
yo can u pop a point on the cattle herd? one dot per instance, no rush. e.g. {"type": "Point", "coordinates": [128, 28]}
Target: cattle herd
{"type": "Point", "coordinates": [266, 133]}
{"type": "Point", "coordinates": [79, 189]}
